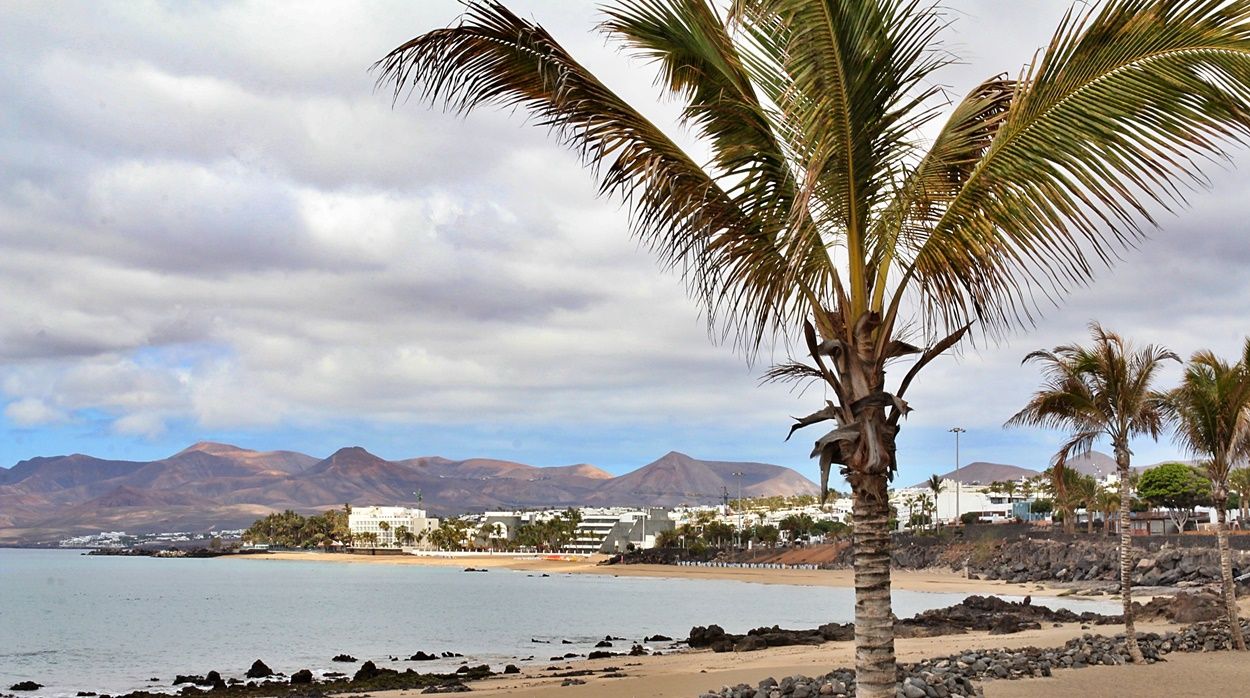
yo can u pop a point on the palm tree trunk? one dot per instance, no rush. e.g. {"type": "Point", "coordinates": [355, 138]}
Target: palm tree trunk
{"type": "Point", "coordinates": [1089, 524]}
{"type": "Point", "coordinates": [1126, 558]}
{"type": "Point", "coordinates": [875, 673]}
{"type": "Point", "coordinates": [1226, 574]}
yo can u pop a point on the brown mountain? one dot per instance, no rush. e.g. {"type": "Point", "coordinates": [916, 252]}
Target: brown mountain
{"type": "Point", "coordinates": [677, 478]}
{"type": "Point", "coordinates": [212, 486]}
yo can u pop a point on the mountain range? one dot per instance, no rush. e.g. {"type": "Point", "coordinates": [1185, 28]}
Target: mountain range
{"type": "Point", "coordinates": [211, 486]}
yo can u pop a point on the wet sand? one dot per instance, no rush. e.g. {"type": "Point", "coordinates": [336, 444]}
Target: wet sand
{"type": "Point", "coordinates": [911, 580]}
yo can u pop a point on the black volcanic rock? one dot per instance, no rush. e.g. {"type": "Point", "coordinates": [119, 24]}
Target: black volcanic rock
{"type": "Point", "coordinates": [366, 671]}
{"type": "Point", "coordinates": [259, 670]}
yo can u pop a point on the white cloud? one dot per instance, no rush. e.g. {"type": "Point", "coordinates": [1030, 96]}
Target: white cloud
{"type": "Point", "coordinates": [30, 412]}
{"type": "Point", "coordinates": [208, 216]}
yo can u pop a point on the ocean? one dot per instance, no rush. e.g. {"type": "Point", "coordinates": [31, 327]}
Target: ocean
{"type": "Point", "coordinates": [109, 624]}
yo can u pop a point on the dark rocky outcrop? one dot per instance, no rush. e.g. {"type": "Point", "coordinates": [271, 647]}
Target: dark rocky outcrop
{"type": "Point", "coordinates": [718, 640]}
{"type": "Point", "coordinates": [344, 658]}
{"type": "Point", "coordinates": [1184, 607]}
{"type": "Point", "coordinates": [973, 613]}
{"type": "Point", "coordinates": [303, 676]}
{"type": "Point", "coordinates": [26, 686]}
{"type": "Point", "coordinates": [259, 670]}
{"type": "Point", "coordinates": [367, 671]}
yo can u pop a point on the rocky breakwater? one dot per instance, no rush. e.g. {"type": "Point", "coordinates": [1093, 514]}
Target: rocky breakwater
{"type": "Point", "coordinates": [1030, 560]}
{"type": "Point", "coordinates": [960, 674]}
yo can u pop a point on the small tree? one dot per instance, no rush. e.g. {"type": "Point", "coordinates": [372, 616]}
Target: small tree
{"type": "Point", "coordinates": [1176, 487]}
{"type": "Point", "coordinates": [667, 539]}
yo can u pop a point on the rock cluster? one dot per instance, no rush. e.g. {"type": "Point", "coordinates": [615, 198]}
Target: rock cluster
{"type": "Point", "coordinates": [1029, 560]}
{"type": "Point", "coordinates": [954, 675]}
{"type": "Point", "coordinates": [1171, 567]}
{"type": "Point", "coordinates": [718, 640]}
{"type": "Point", "coordinates": [990, 613]}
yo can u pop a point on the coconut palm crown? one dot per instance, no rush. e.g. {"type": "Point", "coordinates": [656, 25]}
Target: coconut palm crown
{"type": "Point", "coordinates": [822, 219]}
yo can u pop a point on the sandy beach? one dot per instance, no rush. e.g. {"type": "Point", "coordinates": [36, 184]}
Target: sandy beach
{"type": "Point", "coordinates": [688, 674]}
{"type": "Point", "coordinates": [910, 580]}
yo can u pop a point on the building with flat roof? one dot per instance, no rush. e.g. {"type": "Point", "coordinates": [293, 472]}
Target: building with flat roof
{"type": "Point", "coordinates": [390, 527]}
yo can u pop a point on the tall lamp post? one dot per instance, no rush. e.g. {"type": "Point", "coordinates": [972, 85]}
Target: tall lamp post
{"type": "Point", "coordinates": [738, 505]}
{"type": "Point", "coordinates": [957, 431]}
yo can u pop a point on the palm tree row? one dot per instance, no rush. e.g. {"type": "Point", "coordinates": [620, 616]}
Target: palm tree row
{"type": "Point", "coordinates": [1106, 390]}
{"type": "Point", "coordinates": [825, 221]}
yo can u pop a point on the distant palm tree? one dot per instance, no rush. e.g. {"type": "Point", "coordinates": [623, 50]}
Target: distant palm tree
{"type": "Point", "coordinates": [1103, 390]}
{"type": "Point", "coordinates": [1086, 491]}
{"type": "Point", "coordinates": [1239, 482]}
{"type": "Point", "coordinates": [936, 485]}
{"type": "Point", "coordinates": [1211, 413]}
{"type": "Point", "coordinates": [1108, 502]}
{"type": "Point", "coordinates": [819, 215]}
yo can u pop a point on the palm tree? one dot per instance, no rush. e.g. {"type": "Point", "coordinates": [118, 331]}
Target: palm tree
{"type": "Point", "coordinates": [935, 486]}
{"type": "Point", "coordinates": [1239, 482]}
{"type": "Point", "coordinates": [1108, 503]}
{"type": "Point", "coordinates": [1086, 491]}
{"type": "Point", "coordinates": [402, 535]}
{"type": "Point", "coordinates": [1009, 489]}
{"type": "Point", "coordinates": [819, 219]}
{"type": "Point", "coordinates": [1211, 413]}
{"type": "Point", "coordinates": [1093, 392]}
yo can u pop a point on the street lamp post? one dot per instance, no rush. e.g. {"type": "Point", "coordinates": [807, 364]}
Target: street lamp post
{"type": "Point", "coordinates": [738, 474]}
{"type": "Point", "coordinates": [957, 431]}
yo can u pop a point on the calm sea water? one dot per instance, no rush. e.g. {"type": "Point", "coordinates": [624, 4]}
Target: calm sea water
{"type": "Point", "coordinates": [109, 624]}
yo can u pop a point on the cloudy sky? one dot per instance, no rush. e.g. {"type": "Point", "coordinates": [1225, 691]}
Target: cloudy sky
{"type": "Point", "coordinates": [212, 227]}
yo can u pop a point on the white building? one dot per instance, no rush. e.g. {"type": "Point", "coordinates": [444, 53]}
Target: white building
{"type": "Point", "coordinates": [955, 500]}
{"type": "Point", "coordinates": [614, 529]}
{"type": "Point", "coordinates": [389, 523]}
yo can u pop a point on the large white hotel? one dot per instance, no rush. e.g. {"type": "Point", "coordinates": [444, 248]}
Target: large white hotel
{"type": "Point", "coordinates": [396, 519]}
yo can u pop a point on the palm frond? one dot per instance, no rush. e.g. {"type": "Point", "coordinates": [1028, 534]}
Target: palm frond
{"type": "Point", "coordinates": [730, 256]}
{"type": "Point", "coordinates": [852, 90]}
{"type": "Point", "coordinates": [1117, 117]}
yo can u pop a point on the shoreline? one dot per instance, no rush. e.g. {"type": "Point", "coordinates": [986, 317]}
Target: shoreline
{"type": "Point", "coordinates": [692, 672]}
{"type": "Point", "coordinates": [930, 580]}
